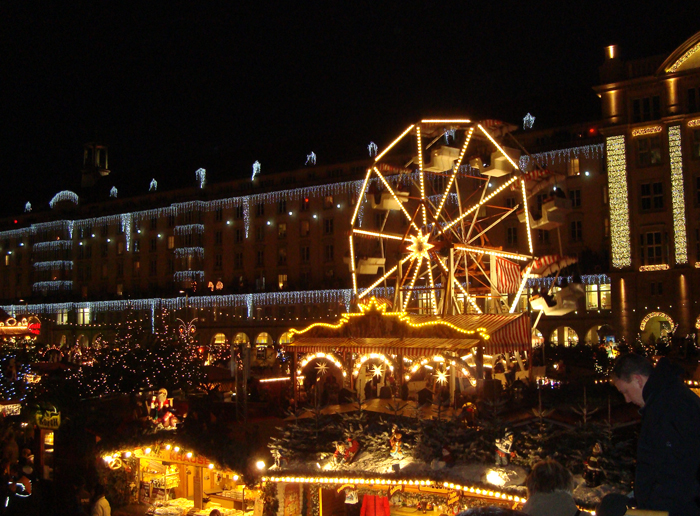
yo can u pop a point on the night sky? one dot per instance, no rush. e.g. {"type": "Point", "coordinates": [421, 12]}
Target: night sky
{"type": "Point", "coordinates": [171, 87]}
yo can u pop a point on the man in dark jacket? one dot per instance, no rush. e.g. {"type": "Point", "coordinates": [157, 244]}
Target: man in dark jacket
{"type": "Point", "coordinates": [668, 452]}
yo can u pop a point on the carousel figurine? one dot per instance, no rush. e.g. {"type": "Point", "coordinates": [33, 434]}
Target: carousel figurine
{"type": "Point", "coordinates": [395, 445]}
{"type": "Point", "coordinates": [469, 413]}
{"type": "Point", "coordinates": [339, 455]}
{"type": "Point", "coordinates": [280, 460]}
{"type": "Point", "coordinates": [161, 411]}
{"type": "Point", "coordinates": [345, 451]}
{"type": "Point", "coordinates": [592, 468]}
{"type": "Point", "coordinates": [504, 450]}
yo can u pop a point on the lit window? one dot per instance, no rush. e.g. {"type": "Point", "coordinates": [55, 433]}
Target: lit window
{"type": "Point", "coordinates": [282, 281]}
{"type": "Point", "coordinates": [83, 315]}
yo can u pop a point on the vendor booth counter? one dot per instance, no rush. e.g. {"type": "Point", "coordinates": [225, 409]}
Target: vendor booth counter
{"type": "Point", "coordinates": [175, 482]}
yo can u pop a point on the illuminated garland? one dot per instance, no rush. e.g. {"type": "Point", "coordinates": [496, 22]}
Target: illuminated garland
{"type": "Point", "coordinates": [490, 493]}
{"type": "Point", "coordinates": [647, 130]}
{"type": "Point", "coordinates": [545, 159]}
{"type": "Point", "coordinates": [589, 279]}
{"type": "Point", "coordinates": [403, 317]}
{"type": "Point", "coordinates": [658, 267]}
{"type": "Point", "coordinates": [619, 205]}
{"type": "Point", "coordinates": [683, 59]}
{"type": "Point", "coordinates": [189, 276]}
{"type": "Point", "coordinates": [651, 315]}
{"type": "Point", "coordinates": [677, 194]}
{"type": "Point", "coordinates": [694, 123]}
{"type": "Point", "coordinates": [369, 356]}
{"type": "Point", "coordinates": [331, 357]}
{"type": "Point", "coordinates": [54, 245]}
{"type": "Point", "coordinates": [40, 286]}
{"type": "Point", "coordinates": [52, 265]}
{"type": "Point", "coordinates": [65, 195]}
{"type": "Point", "coordinates": [189, 229]}
{"type": "Point", "coordinates": [181, 252]}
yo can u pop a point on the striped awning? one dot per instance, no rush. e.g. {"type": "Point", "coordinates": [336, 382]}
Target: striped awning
{"type": "Point", "coordinates": [509, 332]}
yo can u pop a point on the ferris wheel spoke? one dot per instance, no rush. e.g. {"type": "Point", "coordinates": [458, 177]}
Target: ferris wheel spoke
{"type": "Point", "coordinates": [359, 197]}
{"type": "Point", "coordinates": [466, 295]}
{"type": "Point", "coordinates": [378, 234]}
{"type": "Point", "coordinates": [421, 175]}
{"type": "Point", "coordinates": [352, 265]}
{"type": "Point", "coordinates": [501, 150]}
{"type": "Point", "coordinates": [480, 203]}
{"type": "Point", "coordinates": [527, 217]}
{"type": "Point", "coordinates": [455, 170]}
{"type": "Point", "coordinates": [413, 283]}
{"type": "Point", "coordinates": [391, 190]}
{"type": "Point", "coordinates": [432, 289]}
{"type": "Point", "coordinates": [397, 140]}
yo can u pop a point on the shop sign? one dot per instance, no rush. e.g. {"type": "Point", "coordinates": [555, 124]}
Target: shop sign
{"type": "Point", "coordinates": [453, 498]}
{"type": "Point", "coordinates": [172, 456]}
{"type": "Point", "coordinates": [394, 489]}
{"type": "Point", "coordinates": [48, 420]}
{"type": "Point", "coordinates": [10, 409]}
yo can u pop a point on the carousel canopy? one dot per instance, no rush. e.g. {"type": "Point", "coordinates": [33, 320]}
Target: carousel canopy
{"type": "Point", "coordinates": [378, 331]}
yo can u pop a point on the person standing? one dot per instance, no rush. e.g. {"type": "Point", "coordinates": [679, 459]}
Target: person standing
{"type": "Point", "coordinates": [668, 452]}
{"type": "Point", "coordinates": [549, 491]}
{"type": "Point", "coordinates": [101, 506]}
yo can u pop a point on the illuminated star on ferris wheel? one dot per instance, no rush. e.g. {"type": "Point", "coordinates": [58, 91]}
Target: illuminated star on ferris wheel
{"type": "Point", "coordinates": [377, 370]}
{"type": "Point", "coordinates": [441, 377]}
{"type": "Point", "coordinates": [321, 368]}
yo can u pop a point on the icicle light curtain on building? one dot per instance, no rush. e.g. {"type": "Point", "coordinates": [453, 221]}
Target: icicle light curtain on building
{"type": "Point", "coordinates": [619, 203]}
{"type": "Point", "coordinates": [677, 194]}
{"type": "Point", "coordinates": [549, 158]}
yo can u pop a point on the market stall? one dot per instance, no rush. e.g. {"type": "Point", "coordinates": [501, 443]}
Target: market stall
{"type": "Point", "coordinates": [173, 481]}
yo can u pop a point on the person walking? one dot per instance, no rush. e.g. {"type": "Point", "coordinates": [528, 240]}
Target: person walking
{"type": "Point", "coordinates": [668, 451]}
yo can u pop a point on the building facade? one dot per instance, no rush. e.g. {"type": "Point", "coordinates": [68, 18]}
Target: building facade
{"type": "Point", "coordinates": [253, 257]}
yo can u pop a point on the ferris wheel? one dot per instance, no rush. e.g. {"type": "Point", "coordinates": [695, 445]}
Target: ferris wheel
{"type": "Point", "coordinates": [430, 207]}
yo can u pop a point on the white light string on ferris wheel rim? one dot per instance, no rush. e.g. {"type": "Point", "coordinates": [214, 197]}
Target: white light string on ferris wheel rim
{"type": "Point", "coordinates": [397, 140]}
{"type": "Point", "coordinates": [455, 170]}
{"type": "Point", "coordinates": [493, 252]}
{"type": "Point", "coordinates": [421, 176]}
{"type": "Point", "coordinates": [505, 154]}
{"type": "Point", "coordinates": [413, 282]}
{"type": "Point", "coordinates": [527, 217]}
{"type": "Point", "coordinates": [526, 276]}
{"type": "Point", "coordinates": [378, 234]}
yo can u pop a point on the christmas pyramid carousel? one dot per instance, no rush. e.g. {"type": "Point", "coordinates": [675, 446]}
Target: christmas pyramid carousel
{"type": "Point", "coordinates": [390, 385]}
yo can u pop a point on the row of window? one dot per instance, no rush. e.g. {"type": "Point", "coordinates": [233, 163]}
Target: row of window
{"type": "Point", "coordinates": [649, 149]}
{"type": "Point", "coordinates": [649, 108]}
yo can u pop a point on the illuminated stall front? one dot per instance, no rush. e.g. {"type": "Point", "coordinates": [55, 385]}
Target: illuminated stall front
{"type": "Point", "coordinates": [386, 345]}
{"type": "Point", "coordinates": [182, 481]}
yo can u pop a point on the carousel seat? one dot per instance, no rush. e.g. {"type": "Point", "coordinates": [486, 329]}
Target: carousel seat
{"type": "Point", "coordinates": [441, 159]}
{"type": "Point", "coordinates": [385, 201]}
{"type": "Point", "coordinates": [563, 302]}
{"type": "Point", "coordinates": [498, 165]}
{"type": "Point", "coordinates": [366, 265]}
